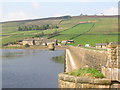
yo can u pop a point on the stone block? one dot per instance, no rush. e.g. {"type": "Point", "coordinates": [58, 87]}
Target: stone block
{"type": "Point", "coordinates": [72, 85]}
{"type": "Point", "coordinates": [88, 86]}
{"type": "Point", "coordinates": [113, 57]}
{"type": "Point", "coordinates": [61, 78]}
{"type": "Point", "coordinates": [103, 86]}
{"type": "Point", "coordinates": [115, 86]}
{"type": "Point", "coordinates": [83, 80]}
{"type": "Point", "coordinates": [111, 73]}
{"type": "Point", "coordinates": [108, 73]}
{"type": "Point", "coordinates": [103, 70]}
{"type": "Point", "coordinates": [69, 78]}
{"type": "Point", "coordinates": [79, 85]}
{"type": "Point", "coordinates": [102, 81]}
{"type": "Point", "coordinates": [114, 51]}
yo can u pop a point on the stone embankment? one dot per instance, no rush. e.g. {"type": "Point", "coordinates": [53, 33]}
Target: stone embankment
{"type": "Point", "coordinates": [105, 61]}
{"type": "Point", "coordinates": [69, 81]}
{"type": "Point", "coordinates": [77, 57]}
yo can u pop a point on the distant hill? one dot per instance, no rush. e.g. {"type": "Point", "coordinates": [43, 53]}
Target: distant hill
{"type": "Point", "coordinates": [105, 29]}
{"type": "Point", "coordinates": [49, 18]}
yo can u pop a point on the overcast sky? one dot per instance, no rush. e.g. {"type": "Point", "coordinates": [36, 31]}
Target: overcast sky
{"type": "Point", "coordinates": [27, 9]}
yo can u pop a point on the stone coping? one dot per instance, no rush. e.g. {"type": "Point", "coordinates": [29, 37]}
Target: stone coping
{"type": "Point", "coordinates": [77, 79]}
{"type": "Point", "coordinates": [89, 49]}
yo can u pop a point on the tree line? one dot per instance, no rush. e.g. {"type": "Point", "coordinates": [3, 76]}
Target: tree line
{"type": "Point", "coordinates": [50, 35]}
{"type": "Point", "coordinates": [37, 27]}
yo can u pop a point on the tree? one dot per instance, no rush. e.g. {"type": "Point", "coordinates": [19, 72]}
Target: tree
{"type": "Point", "coordinates": [47, 26]}
{"type": "Point", "coordinates": [26, 28]}
{"type": "Point", "coordinates": [19, 28]}
{"type": "Point", "coordinates": [30, 28]}
{"type": "Point", "coordinates": [37, 27]}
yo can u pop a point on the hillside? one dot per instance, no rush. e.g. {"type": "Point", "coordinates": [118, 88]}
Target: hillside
{"type": "Point", "coordinates": [103, 29]}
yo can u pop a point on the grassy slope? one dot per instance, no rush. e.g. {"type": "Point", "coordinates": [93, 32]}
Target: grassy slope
{"type": "Point", "coordinates": [72, 32]}
{"type": "Point", "coordinates": [104, 30]}
{"type": "Point", "coordinates": [11, 34]}
{"type": "Point", "coordinates": [107, 25]}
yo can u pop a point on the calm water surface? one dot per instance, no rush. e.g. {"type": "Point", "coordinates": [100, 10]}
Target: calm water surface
{"type": "Point", "coordinates": [30, 68]}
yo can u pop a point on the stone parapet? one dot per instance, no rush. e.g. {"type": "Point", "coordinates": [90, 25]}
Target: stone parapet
{"type": "Point", "coordinates": [112, 68]}
{"type": "Point", "coordinates": [69, 81]}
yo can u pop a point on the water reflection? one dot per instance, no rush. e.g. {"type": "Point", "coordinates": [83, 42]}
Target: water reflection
{"type": "Point", "coordinates": [59, 59]}
{"type": "Point", "coordinates": [17, 53]}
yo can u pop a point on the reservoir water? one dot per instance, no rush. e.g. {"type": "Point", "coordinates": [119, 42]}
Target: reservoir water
{"type": "Point", "coordinates": [31, 68]}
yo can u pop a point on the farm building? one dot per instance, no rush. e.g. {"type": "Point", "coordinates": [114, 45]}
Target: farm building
{"type": "Point", "coordinates": [87, 45]}
{"type": "Point", "coordinates": [29, 41]}
{"type": "Point", "coordinates": [64, 41]}
{"type": "Point", "coordinates": [39, 41]}
{"type": "Point", "coordinates": [101, 45]}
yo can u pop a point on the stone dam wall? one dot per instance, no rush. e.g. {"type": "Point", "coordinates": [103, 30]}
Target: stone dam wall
{"type": "Point", "coordinates": [77, 57]}
{"type": "Point", "coordinates": [106, 61]}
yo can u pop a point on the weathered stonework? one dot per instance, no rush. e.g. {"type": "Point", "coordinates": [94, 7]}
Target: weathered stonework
{"type": "Point", "coordinates": [69, 81]}
{"type": "Point", "coordinates": [112, 69]}
{"type": "Point", "coordinates": [106, 61]}
{"type": "Point", "coordinates": [30, 42]}
{"type": "Point", "coordinates": [112, 58]}
{"type": "Point", "coordinates": [77, 57]}
{"type": "Point", "coordinates": [39, 41]}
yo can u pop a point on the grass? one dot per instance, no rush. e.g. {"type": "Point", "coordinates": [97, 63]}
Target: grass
{"type": "Point", "coordinates": [87, 72]}
{"type": "Point", "coordinates": [104, 30]}
{"type": "Point", "coordinates": [72, 32]}
{"type": "Point", "coordinates": [105, 26]}
{"type": "Point", "coordinates": [93, 39]}
{"type": "Point", "coordinates": [14, 38]}
{"type": "Point", "coordinates": [11, 34]}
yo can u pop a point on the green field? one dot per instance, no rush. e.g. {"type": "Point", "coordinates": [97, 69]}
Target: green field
{"type": "Point", "coordinates": [72, 32]}
{"type": "Point", "coordinates": [105, 29]}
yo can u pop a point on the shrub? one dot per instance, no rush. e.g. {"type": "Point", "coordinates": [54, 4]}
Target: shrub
{"type": "Point", "coordinates": [27, 45]}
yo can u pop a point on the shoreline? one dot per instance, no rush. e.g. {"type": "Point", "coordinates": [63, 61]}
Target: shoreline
{"type": "Point", "coordinates": [32, 48]}
{"type": "Point", "coordinates": [43, 48]}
